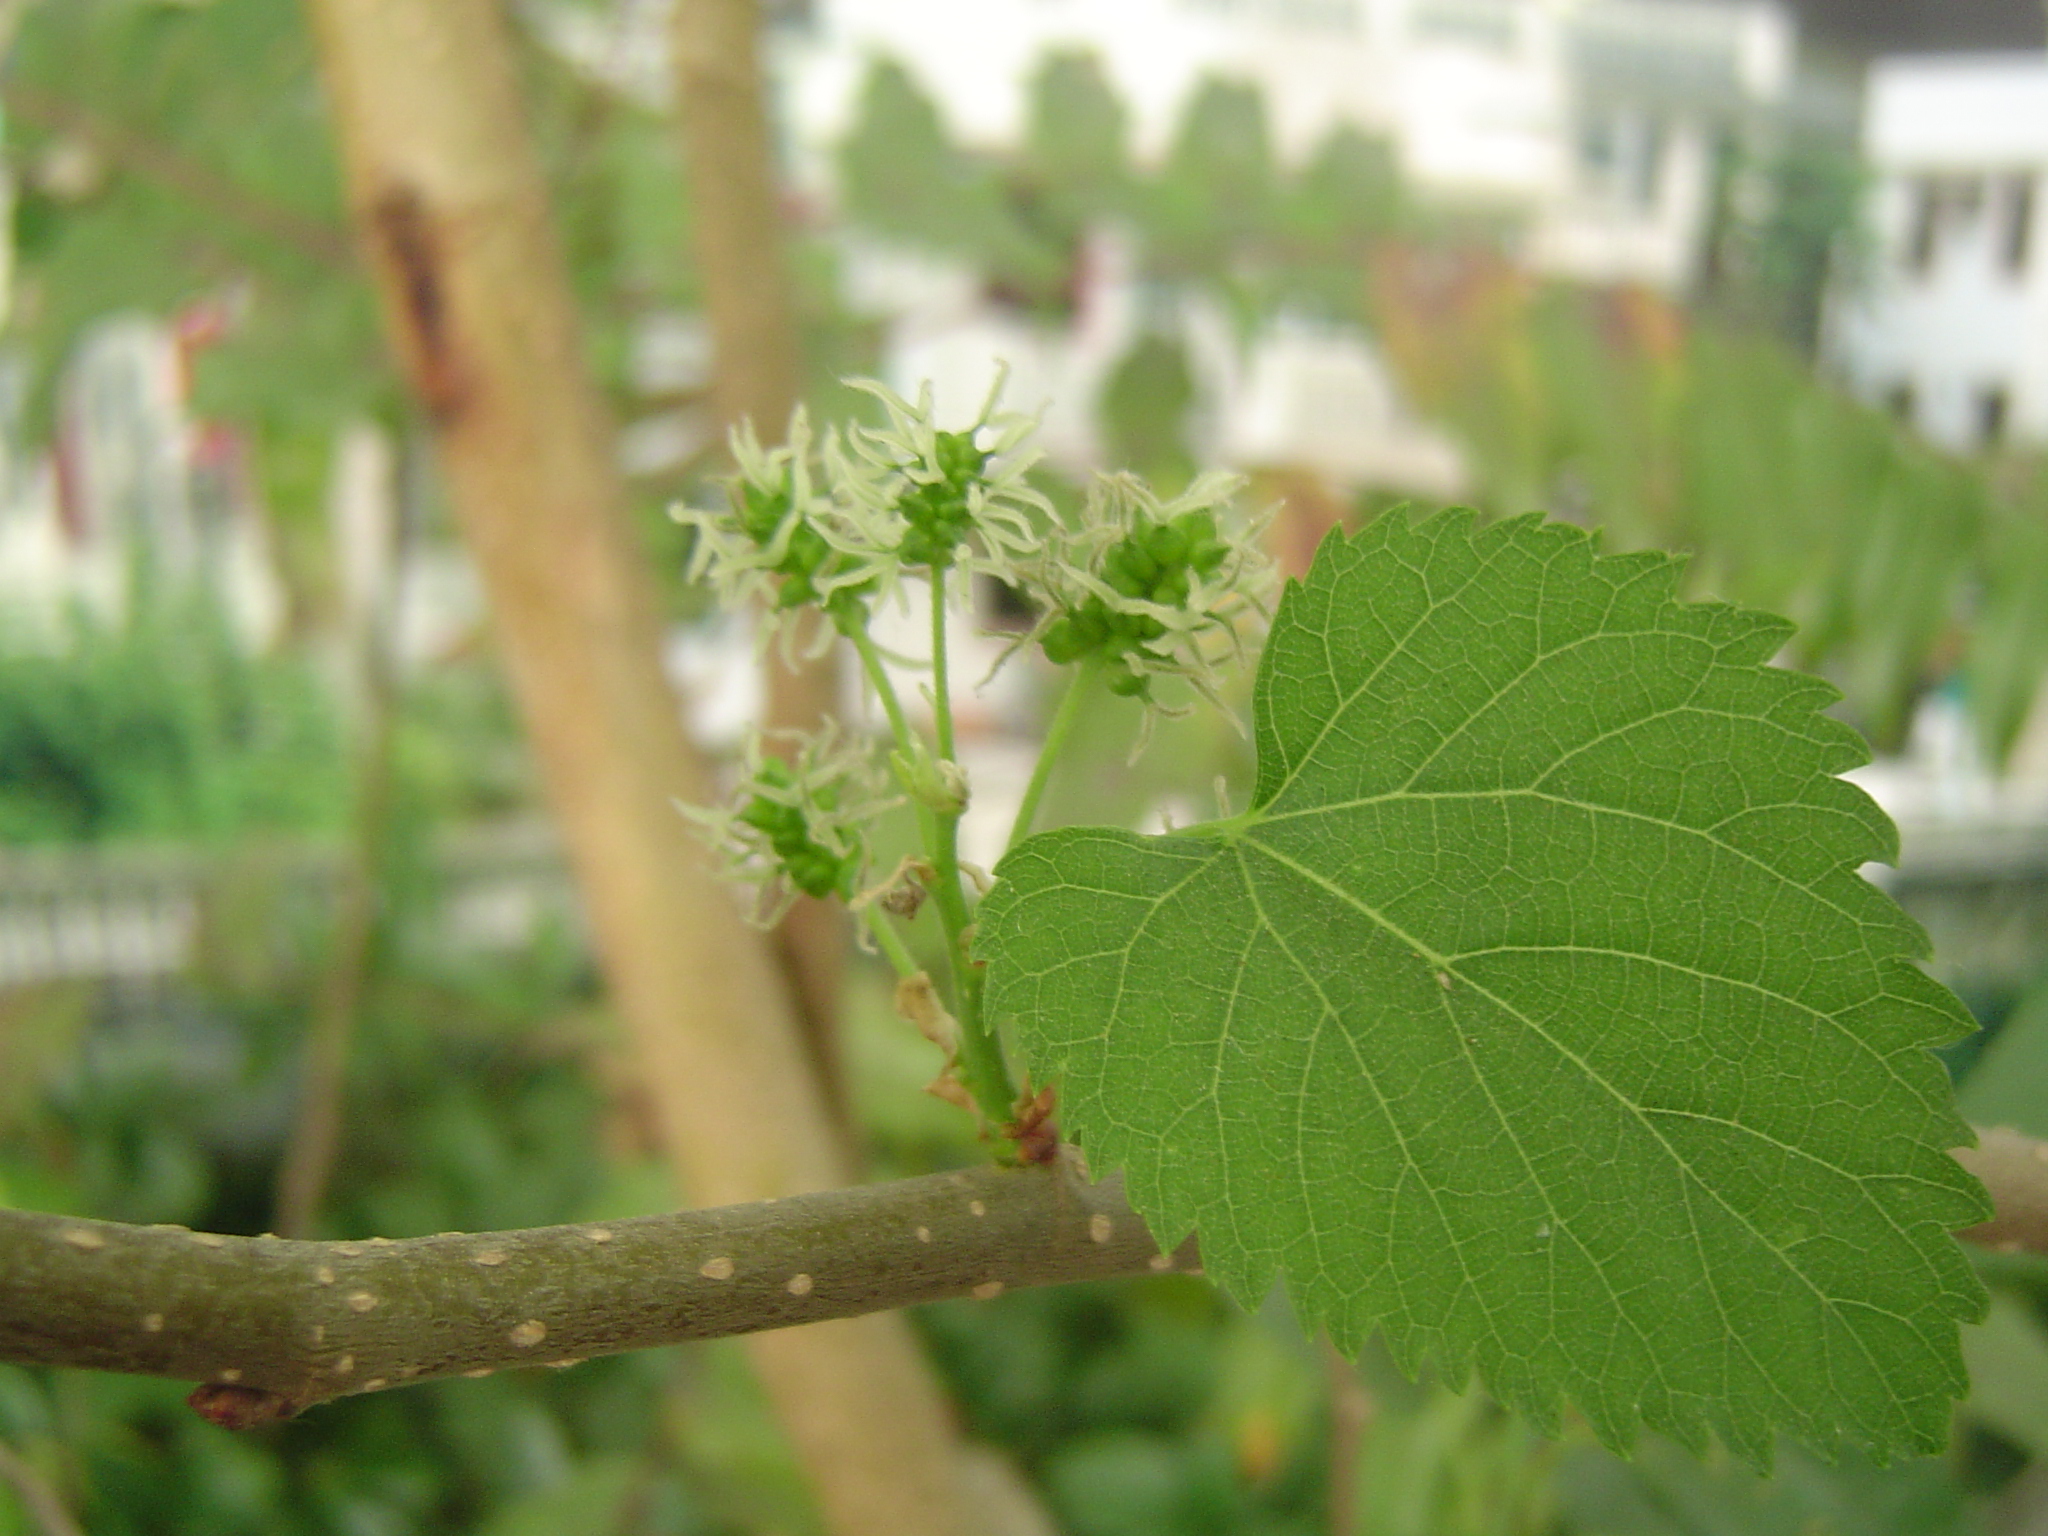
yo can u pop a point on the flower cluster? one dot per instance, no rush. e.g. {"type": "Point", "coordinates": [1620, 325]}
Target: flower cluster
{"type": "Point", "coordinates": [923, 498]}
{"type": "Point", "coordinates": [798, 824]}
{"type": "Point", "coordinates": [1152, 588]}
{"type": "Point", "coordinates": [836, 521]}
{"type": "Point", "coordinates": [1149, 588]}
{"type": "Point", "coordinates": [769, 545]}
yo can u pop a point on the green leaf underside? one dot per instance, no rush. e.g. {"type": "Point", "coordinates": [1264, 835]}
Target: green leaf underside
{"type": "Point", "coordinates": [1536, 1012]}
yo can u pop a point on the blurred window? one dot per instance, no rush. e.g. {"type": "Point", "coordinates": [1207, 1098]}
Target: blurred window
{"type": "Point", "coordinates": [1994, 403]}
{"type": "Point", "coordinates": [1317, 15]}
{"type": "Point", "coordinates": [1304, 15]}
{"type": "Point", "coordinates": [1621, 158]}
{"type": "Point", "coordinates": [1484, 24]}
{"type": "Point", "coordinates": [1646, 176]}
{"type": "Point", "coordinates": [1920, 236]}
{"type": "Point", "coordinates": [1682, 57]}
{"type": "Point", "coordinates": [1002, 607]}
{"type": "Point", "coordinates": [1943, 207]}
{"type": "Point", "coordinates": [1597, 149]}
{"type": "Point", "coordinates": [2016, 246]}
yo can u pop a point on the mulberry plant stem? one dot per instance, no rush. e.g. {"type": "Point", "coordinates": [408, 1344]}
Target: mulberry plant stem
{"type": "Point", "coordinates": [891, 942]}
{"type": "Point", "coordinates": [892, 708]}
{"type": "Point", "coordinates": [269, 1325]}
{"type": "Point", "coordinates": [288, 1324]}
{"type": "Point", "coordinates": [983, 1070]}
{"type": "Point", "coordinates": [878, 679]}
{"type": "Point", "coordinates": [1056, 735]}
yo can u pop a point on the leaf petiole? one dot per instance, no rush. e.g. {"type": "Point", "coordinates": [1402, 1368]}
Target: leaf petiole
{"type": "Point", "coordinates": [942, 694]}
{"type": "Point", "coordinates": [878, 679]}
{"type": "Point", "coordinates": [1056, 734]}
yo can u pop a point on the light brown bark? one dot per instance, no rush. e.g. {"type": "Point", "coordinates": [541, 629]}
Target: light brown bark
{"type": "Point", "coordinates": [2014, 1168]}
{"type": "Point", "coordinates": [741, 245]}
{"type": "Point", "coordinates": [446, 192]}
{"type": "Point", "coordinates": [743, 264]}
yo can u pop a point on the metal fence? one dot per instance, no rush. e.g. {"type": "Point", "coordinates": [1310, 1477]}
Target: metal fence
{"type": "Point", "coordinates": [124, 915]}
{"type": "Point", "coordinates": [128, 915]}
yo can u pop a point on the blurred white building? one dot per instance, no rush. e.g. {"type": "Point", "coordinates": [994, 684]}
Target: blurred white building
{"type": "Point", "coordinates": [134, 489]}
{"type": "Point", "coordinates": [1593, 125]}
{"type": "Point", "coordinates": [1950, 325]}
{"type": "Point", "coordinates": [1595, 121]}
{"type": "Point", "coordinates": [1298, 393]}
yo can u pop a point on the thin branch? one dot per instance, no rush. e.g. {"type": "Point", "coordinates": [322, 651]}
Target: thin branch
{"type": "Point", "coordinates": [310, 237]}
{"type": "Point", "coordinates": [272, 1326]}
{"type": "Point", "coordinates": [316, 1129]}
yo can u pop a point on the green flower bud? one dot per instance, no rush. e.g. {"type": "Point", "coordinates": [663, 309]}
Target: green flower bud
{"type": "Point", "coordinates": [931, 781]}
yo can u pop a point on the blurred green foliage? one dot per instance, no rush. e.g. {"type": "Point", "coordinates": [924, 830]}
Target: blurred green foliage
{"type": "Point", "coordinates": [901, 170]}
{"type": "Point", "coordinates": [1075, 137]}
{"type": "Point", "coordinates": [1218, 210]}
{"type": "Point", "coordinates": [477, 1102]}
{"type": "Point", "coordinates": [1144, 411]}
{"type": "Point", "coordinates": [174, 153]}
{"type": "Point", "coordinates": [175, 156]}
{"type": "Point", "coordinates": [162, 726]}
{"type": "Point", "coordinates": [1771, 271]}
{"type": "Point", "coordinates": [913, 185]}
{"type": "Point", "coordinates": [1215, 195]}
{"type": "Point", "coordinates": [1149, 1406]}
{"type": "Point", "coordinates": [1666, 1491]}
{"type": "Point", "coordinates": [1899, 564]}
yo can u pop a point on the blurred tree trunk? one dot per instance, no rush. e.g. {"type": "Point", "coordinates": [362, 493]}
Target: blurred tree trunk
{"type": "Point", "coordinates": [757, 372]}
{"type": "Point", "coordinates": [445, 189]}
{"type": "Point", "coordinates": [741, 249]}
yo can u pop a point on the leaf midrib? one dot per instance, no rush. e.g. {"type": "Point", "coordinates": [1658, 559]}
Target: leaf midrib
{"type": "Point", "coordinates": [1636, 1111]}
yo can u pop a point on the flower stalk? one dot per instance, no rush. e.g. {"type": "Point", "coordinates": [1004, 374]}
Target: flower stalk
{"type": "Point", "coordinates": [1056, 734]}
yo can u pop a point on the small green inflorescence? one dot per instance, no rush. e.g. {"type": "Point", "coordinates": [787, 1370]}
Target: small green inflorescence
{"type": "Point", "coordinates": [799, 821]}
{"type": "Point", "coordinates": [812, 867]}
{"type": "Point", "coordinates": [804, 555]}
{"type": "Point", "coordinates": [940, 512]}
{"type": "Point", "coordinates": [1156, 563]}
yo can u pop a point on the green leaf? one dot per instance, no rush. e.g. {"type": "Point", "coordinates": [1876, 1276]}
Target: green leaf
{"type": "Point", "coordinates": [1535, 1013]}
